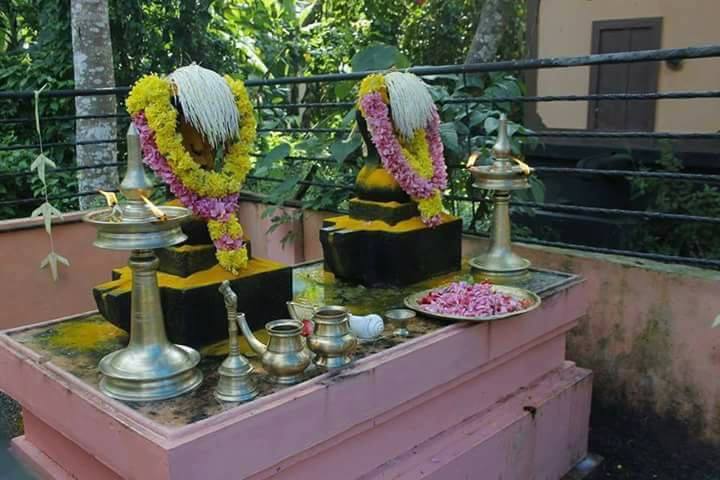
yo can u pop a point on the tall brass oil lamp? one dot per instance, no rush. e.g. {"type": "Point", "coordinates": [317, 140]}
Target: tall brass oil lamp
{"type": "Point", "coordinates": [150, 367]}
{"type": "Point", "coordinates": [500, 264]}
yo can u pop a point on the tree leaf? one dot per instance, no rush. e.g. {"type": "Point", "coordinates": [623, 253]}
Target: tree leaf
{"type": "Point", "coordinates": [39, 164]}
{"type": "Point", "coordinates": [62, 260]}
{"type": "Point", "coordinates": [491, 124]}
{"type": "Point", "coordinates": [378, 57]}
{"type": "Point", "coordinates": [340, 149]}
{"type": "Point", "coordinates": [449, 136]}
{"type": "Point", "coordinates": [51, 260]}
{"type": "Point", "coordinates": [716, 323]}
{"type": "Point", "coordinates": [278, 153]}
{"type": "Point", "coordinates": [343, 89]}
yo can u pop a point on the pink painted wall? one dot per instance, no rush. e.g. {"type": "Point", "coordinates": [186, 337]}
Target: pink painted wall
{"type": "Point", "coordinates": [29, 294]}
{"type": "Point", "coordinates": [647, 336]}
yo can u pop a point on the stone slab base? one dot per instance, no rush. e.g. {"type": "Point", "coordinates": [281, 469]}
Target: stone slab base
{"type": "Point", "coordinates": [193, 308]}
{"type": "Point", "coordinates": [493, 397]}
{"type": "Point", "coordinates": [375, 253]}
{"type": "Point", "coordinates": [539, 432]}
{"type": "Point", "coordinates": [389, 212]}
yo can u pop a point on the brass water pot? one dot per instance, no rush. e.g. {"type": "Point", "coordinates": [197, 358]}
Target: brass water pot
{"type": "Point", "coordinates": [285, 357]}
{"type": "Point", "coordinates": [332, 340]}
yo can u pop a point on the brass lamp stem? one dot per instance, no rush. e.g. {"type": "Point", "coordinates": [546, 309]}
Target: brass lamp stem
{"type": "Point", "coordinates": [500, 241]}
{"type": "Point", "coordinates": [146, 317]}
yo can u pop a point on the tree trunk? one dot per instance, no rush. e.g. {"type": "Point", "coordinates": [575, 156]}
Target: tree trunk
{"type": "Point", "coordinates": [494, 16]}
{"type": "Point", "coordinates": [93, 64]}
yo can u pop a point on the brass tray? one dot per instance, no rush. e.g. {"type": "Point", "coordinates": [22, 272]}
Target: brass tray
{"type": "Point", "coordinates": [411, 302]}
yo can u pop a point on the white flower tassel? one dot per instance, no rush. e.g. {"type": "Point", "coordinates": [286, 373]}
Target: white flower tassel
{"type": "Point", "coordinates": [207, 103]}
{"type": "Point", "coordinates": [410, 102]}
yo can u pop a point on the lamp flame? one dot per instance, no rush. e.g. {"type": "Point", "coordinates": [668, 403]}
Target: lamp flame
{"type": "Point", "coordinates": [110, 198]}
{"type": "Point", "coordinates": [154, 209]}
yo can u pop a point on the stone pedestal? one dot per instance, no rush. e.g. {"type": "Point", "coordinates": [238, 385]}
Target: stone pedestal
{"type": "Point", "coordinates": [454, 401]}
{"type": "Point", "coordinates": [189, 277]}
{"type": "Point", "coordinates": [377, 253]}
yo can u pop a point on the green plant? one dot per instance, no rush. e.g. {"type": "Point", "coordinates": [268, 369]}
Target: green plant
{"type": "Point", "coordinates": [693, 239]}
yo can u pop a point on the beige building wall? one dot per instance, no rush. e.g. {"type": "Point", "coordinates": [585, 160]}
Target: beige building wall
{"type": "Point", "coordinates": [565, 29]}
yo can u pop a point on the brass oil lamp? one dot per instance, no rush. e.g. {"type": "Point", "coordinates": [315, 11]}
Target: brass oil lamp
{"type": "Point", "coordinates": [150, 367]}
{"type": "Point", "coordinates": [506, 174]}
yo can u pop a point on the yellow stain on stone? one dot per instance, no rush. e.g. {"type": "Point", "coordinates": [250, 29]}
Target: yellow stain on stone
{"type": "Point", "coordinates": [192, 248]}
{"type": "Point", "coordinates": [412, 224]}
{"type": "Point", "coordinates": [211, 276]}
{"type": "Point", "coordinates": [372, 177]}
{"type": "Point", "coordinates": [221, 348]}
{"type": "Point", "coordinates": [83, 336]}
{"type": "Point", "coordinates": [392, 204]}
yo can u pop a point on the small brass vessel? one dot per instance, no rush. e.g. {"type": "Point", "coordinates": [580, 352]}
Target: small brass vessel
{"type": "Point", "coordinates": [506, 174]}
{"type": "Point", "coordinates": [285, 357]}
{"type": "Point", "coordinates": [400, 317]}
{"type": "Point", "coordinates": [235, 383]}
{"type": "Point", "coordinates": [332, 341]}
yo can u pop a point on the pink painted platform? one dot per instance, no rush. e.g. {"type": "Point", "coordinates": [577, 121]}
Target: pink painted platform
{"type": "Point", "coordinates": [464, 401]}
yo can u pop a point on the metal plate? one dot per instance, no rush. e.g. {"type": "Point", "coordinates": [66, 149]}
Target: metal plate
{"type": "Point", "coordinates": [412, 302]}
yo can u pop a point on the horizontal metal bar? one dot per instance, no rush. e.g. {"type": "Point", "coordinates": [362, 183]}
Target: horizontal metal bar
{"type": "Point", "coordinates": [704, 51]}
{"type": "Point", "coordinates": [25, 173]}
{"type": "Point", "coordinates": [306, 105]}
{"type": "Point", "coordinates": [33, 146]}
{"type": "Point", "coordinates": [600, 210]}
{"type": "Point", "coordinates": [619, 134]}
{"type": "Point", "coordinates": [597, 96]}
{"type": "Point", "coordinates": [124, 116]}
{"type": "Point", "coordinates": [24, 201]}
{"type": "Point", "coordinates": [80, 92]}
{"type": "Point", "coordinates": [303, 182]}
{"type": "Point", "coordinates": [706, 262]}
{"type": "Point", "coordinates": [695, 177]}
{"type": "Point", "coordinates": [515, 65]}
{"type": "Point", "coordinates": [618, 211]}
{"type": "Point", "coordinates": [304, 130]}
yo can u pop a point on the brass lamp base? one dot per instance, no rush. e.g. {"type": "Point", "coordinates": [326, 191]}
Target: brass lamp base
{"type": "Point", "coordinates": [128, 376]}
{"type": "Point", "coordinates": [504, 270]}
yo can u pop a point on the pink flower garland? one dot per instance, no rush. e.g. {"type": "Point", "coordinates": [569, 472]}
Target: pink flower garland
{"type": "Point", "coordinates": [208, 208]}
{"type": "Point", "coordinates": [377, 115]}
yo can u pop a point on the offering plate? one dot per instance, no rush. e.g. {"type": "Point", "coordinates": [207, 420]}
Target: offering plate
{"type": "Point", "coordinates": [520, 294]}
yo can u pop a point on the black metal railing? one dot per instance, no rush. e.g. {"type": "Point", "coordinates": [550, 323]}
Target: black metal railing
{"type": "Point", "coordinates": [463, 71]}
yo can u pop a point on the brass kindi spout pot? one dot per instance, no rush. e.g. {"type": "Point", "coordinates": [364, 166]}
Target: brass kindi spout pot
{"type": "Point", "coordinates": [285, 357]}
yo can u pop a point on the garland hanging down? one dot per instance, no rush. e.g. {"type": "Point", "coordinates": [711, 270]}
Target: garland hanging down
{"type": "Point", "coordinates": [405, 129]}
{"type": "Point", "coordinates": [219, 108]}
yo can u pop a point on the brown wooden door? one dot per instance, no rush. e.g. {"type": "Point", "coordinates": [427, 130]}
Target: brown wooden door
{"type": "Point", "coordinates": [624, 36]}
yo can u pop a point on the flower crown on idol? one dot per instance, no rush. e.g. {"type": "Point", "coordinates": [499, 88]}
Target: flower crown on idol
{"type": "Point", "coordinates": [220, 110]}
{"type": "Point", "coordinates": [405, 128]}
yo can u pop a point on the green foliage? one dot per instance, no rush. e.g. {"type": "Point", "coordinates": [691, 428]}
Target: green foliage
{"type": "Point", "coordinates": [439, 32]}
{"type": "Point", "coordinates": [35, 50]}
{"type": "Point", "coordinates": [252, 38]}
{"type": "Point", "coordinates": [692, 239]}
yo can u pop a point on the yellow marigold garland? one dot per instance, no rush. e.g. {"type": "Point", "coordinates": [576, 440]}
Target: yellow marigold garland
{"type": "Point", "coordinates": [151, 97]}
